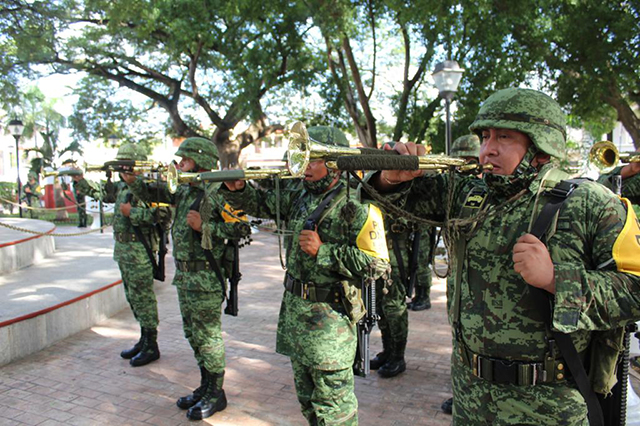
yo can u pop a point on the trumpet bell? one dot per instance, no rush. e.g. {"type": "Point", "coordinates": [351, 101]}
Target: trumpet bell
{"type": "Point", "coordinates": [172, 178]}
{"type": "Point", "coordinates": [298, 151]}
{"type": "Point", "coordinates": [604, 155]}
{"type": "Point", "coordinates": [302, 150]}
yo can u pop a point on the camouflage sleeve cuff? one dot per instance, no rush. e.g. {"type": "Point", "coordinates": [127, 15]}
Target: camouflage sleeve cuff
{"type": "Point", "coordinates": [84, 187]}
{"type": "Point", "coordinates": [138, 188]}
{"type": "Point", "coordinates": [235, 198]}
{"type": "Point", "coordinates": [398, 194]}
{"type": "Point", "coordinates": [141, 216]}
{"type": "Point", "coordinates": [570, 297]}
{"type": "Point", "coordinates": [631, 186]}
{"type": "Point", "coordinates": [324, 257]}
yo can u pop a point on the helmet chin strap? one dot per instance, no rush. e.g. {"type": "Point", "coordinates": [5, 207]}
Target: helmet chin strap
{"type": "Point", "coordinates": [321, 185]}
{"type": "Point", "coordinates": [526, 167]}
{"type": "Point", "coordinates": [507, 185]}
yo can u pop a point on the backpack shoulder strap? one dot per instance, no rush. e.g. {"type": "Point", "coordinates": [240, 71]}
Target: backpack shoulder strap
{"type": "Point", "coordinates": [557, 197]}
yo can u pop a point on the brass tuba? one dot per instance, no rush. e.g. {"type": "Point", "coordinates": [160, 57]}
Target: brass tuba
{"type": "Point", "coordinates": [302, 149]}
{"type": "Point", "coordinates": [175, 177]}
{"type": "Point", "coordinates": [604, 155]}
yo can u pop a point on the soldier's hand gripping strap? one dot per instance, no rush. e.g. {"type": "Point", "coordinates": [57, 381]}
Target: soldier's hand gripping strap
{"type": "Point", "coordinates": [558, 196]}
{"type": "Point", "coordinates": [157, 274]}
{"type": "Point", "coordinates": [207, 253]}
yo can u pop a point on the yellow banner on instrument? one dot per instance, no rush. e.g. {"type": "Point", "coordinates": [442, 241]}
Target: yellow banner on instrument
{"type": "Point", "coordinates": [371, 238]}
{"type": "Point", "coordinates": [230, 219]}
{"type": "Point", "coordinates": [626, 249]}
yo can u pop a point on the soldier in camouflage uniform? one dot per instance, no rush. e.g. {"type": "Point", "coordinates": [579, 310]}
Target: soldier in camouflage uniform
{"type": "Point", "coordinates": [80, 207]}
{"type": "Point", "coordinates": [505, 368]}
{"type": "Point", "coordinates": [325, 266]}
{"type": "Point", "coordinates": [422, 298]}
{"type": "Point", "coordinates": [391, 303]}
{"type": "Point", "coordinates": [32, 192]}
{"type": "Point", "coordinates": [130, 254]}
{"type": "Point", "coordinates": [201, 286]}
{"type": "Point", "coordinates": [630, 174]}
{"type": "Point", "coordinates": [467, 147]}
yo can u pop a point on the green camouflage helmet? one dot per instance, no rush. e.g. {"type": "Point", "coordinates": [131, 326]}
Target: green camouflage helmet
{"type": "Point", "coordinates": [129, 151]}
{"type": "Point", "coordinates": [528, 111]}
{"type": "Point", "coordinates": [200, 150]}
{"type": "Point", "coordinates": [466, 146]}
{"type": "Point", "coordinates": [328, 135]}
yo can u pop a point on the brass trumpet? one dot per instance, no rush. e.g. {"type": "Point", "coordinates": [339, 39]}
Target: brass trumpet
{"type": "Point", "coordinates": [604, 155]}
{"type": "Point", "coordinates": [68, 172]}
{"type": "Point", "coordinates": [126, 166]}
{"type": "Point", "coordinates": [302, 149]}
{"type": "Point", "coordinates": [175, 177]}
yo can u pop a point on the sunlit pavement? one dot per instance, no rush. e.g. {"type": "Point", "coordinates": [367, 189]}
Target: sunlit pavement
{"type": "Point", "coordinates": [83, 381]}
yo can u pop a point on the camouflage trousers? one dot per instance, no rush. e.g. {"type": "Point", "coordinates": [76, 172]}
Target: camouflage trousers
{"type": "Point", "coordinates": [424, 278]}
{"type": "Point", "coordinates": [202, 325]}
{"type": "Point", "coordinates": [480, 402]}
{"type": "Point", "coordinates": [391, 305]}
{"type": "Point", "coordinates": [326, 397]}
{"type": "Point", "coordinates": [138, 289]}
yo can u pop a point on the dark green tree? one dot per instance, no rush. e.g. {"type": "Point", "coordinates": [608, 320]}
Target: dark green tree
{"type": "Point", "coordinates": [207, 65]}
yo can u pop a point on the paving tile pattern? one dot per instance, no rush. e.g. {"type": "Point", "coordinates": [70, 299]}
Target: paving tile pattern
{"type": "Point", "coordinates": [83, 381]}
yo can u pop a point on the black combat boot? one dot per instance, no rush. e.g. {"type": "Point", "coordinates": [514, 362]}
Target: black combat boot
{"type": "Point", "coordinates": [213, 399]}
{"type": "Point", "coordinates": [421, 302]}
{"type": "Point", "coordinates": [382, 357]}
{"type": "Point", "coordinates": [447, 406]}
{"type": "Point", "coordinates": [192, 399]}
{"type": "Point", "coordinates": [149, 351]}
{"type": "Point", "coordinates": [130, 353]}
{"type": "Point", "coordinates": [395, 365]}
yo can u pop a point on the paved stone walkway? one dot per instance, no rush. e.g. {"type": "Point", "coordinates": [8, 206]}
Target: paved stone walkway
{"type": "Point", "coordinates": [83, 381]}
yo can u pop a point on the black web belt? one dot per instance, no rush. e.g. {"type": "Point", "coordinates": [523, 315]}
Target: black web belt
{"type": "Point", "coordinates": [193, 265]}
{"type": "Point", "coordinates": [312, 292]}
{"type": "Point", "coordinates": [519, 373]}
{"type": "Point", "coordinates": [125, 237]}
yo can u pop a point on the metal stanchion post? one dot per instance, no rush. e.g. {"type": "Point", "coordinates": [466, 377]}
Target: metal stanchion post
{"type": "Point", "coordinates": [101, 217]}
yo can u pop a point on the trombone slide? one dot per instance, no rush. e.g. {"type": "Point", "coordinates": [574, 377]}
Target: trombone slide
{"type": "Point", "coordinates": [176, 177]}
{"type": "Point", "coordinates": [405, 162]}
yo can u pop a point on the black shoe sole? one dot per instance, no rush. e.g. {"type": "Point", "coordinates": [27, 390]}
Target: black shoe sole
{"type": "Point", "coordinates": [130, 355]}
{"type": "Point", "coordinates": [221, 404]}
{"type": "Point", "coordinates": [186, 405]}
{"type": "Point", "coordinates": [139, 363]}
{"type": "Point", "coordinates": [388, 374]}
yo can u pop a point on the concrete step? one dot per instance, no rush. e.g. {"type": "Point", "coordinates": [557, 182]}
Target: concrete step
{"type": "Point", "coordinates": [19, 249]}
{"type": "Point", "coordinates": [72, 289]}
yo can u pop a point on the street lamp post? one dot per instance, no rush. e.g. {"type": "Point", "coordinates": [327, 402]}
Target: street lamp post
{"type": "Point", "coordinates": [16, 128]}
{"type": "Point", "coordinates": [446, 77]}
{"type": "Point", "coordinates": [113, 141]}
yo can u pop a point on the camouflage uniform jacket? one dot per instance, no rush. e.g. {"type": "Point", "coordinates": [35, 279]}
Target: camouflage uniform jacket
{"type": "Point", "coordinates": [186, 243]}
{"type": "Point", "coordinates": [33, 196]}
{"type": "Point", "coordinates": [498, 316]}
{"type": "Point", "coordinates": [141, 215]}
{"type": "Point", "coordinates": [630, 187]}
{"type": "Point", "coordinates": [317, 334]}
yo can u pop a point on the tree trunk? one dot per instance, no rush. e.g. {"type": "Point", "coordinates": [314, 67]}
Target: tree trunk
{"type": "Point", "coordinates": [626, 114]}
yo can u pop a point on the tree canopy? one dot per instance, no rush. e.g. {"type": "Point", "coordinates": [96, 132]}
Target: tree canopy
{"type": "Point", "coordinates": [233, 71]}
